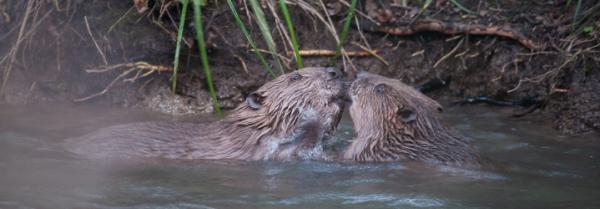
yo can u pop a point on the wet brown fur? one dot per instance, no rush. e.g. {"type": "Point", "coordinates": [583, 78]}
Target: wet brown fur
{"type": "Point", "coordinates": [393, 122]}
{"type": "Point", "coordinates": [285, 119]}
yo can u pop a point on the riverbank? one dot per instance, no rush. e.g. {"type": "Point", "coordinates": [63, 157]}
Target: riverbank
{"type": "Point", "coordinates": [45, 61]}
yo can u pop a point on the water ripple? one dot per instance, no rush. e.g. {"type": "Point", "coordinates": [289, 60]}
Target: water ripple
{"type": "Point", "coordinates": [352, 199]}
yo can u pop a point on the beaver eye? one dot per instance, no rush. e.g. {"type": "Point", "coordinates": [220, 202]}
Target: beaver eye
{"type": "Point", "coordinates": [380, 88]}
{"type": "Point", "coordinates": [406, 115]}
{"type": "Point", "coordinates": [295, 77]}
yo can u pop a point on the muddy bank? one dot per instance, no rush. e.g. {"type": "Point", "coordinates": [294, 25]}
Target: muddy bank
{"type": "Point", "coordinates": [50, 63]}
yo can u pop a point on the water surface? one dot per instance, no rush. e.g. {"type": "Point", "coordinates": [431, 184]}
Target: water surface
{"type": "Point", "coordinates": [529, 166]}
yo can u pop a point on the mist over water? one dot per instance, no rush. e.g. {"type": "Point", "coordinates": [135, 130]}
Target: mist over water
{"type": "Point", "coordinates": [527, 166]}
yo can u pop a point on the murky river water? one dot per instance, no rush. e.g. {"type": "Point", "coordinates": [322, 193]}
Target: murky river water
{"type": "Point", "coordinates": [531, 167]}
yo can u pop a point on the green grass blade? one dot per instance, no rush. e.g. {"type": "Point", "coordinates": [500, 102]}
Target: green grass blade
{"type": "Point", "coordinates": [238, 20]}
{"type": "Point", "coordinates": [178, 46]}
{"type": "Point", "coordinates": [461, 7]}
{"type": "Point", "coordinates": [56, 4]}
{"type": "Point", "coordinates": [290, 26]}
{"type": "Point", "coordinates": [346, 27]}
{"type": "Point", "coordinates": [203, 56]}
{"type": "Point", "coordinates": [427, 3]}
{"type": "Point", "coordinates": [576, 15]}
{"type": "Point", "coordinates": [266, 32]}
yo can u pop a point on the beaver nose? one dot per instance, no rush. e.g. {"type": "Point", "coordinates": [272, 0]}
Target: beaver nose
{"type": "Point", "coordinates": [333, 73]}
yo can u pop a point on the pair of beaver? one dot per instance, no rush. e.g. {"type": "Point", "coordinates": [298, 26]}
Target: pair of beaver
{"type": "Point", "coordinates": [289, 117]}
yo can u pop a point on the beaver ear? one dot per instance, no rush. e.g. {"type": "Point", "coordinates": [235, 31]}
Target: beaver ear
{"type": "Point", "coordinates": [406, 115]}
{"type": "Point", "coordinates": [254, 100]}
{"type": "Point", "coordinates": [295, 76]}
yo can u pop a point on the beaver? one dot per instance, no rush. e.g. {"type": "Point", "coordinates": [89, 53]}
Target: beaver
{"type": "Point", "coordinates": [285, 119]}
{"type": "Point", "coordinates": [394, 121]}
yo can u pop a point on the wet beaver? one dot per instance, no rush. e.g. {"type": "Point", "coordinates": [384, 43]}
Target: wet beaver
{"type": "Point", "coordinates": [285, 119]}
{"type": "Point", "coordinates": [393, 121]}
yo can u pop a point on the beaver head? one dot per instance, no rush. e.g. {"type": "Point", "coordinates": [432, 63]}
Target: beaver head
{"type": "Point", "coordinates": [393, 121]}
{"type": "Point", "coordinates": [287, 117]}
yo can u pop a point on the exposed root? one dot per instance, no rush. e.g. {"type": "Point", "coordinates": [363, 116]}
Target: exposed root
{"type": "Point", "coordinates": [244, 67]}
{"type": "Point", "coordinates": [450, 28]}
{"type": "Point", "coordinates": [87, 25]}
{"type": "Point", "coordinates": [449, 53]}
{"type": "Point", "coordinates": [141, 69]}
{"type": "Point", "coordinates": [569, 58]}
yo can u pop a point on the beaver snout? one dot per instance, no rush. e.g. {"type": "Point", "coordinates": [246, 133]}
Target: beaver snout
{"type": "Point", "coordinates": [345, 99]}
{"type": "Point", "coordinates": [358, 83]}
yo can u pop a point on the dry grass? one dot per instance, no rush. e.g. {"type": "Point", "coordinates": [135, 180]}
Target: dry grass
{"type": "Point", "coordinates": [12, 54]}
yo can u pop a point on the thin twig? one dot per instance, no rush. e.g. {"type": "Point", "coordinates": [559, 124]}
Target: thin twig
{"type": "Point", "coordinates": [372, 52]}
{"type": "Point", "coordinates": [518, 85]}
{"type": "Point", "coordinates": [24, 37]}
{"type": "Point", "coordinates": [360, 13]}
{"type": "Point", "coordinates": [273, 54]}
{"type": "Point", "coordinates": [87, 25]}
{"type": "Point", "coordinates": [13, 53]}
{"type": "Point", "coordinates": [330, 22]}
{"type": "Point", "coordinates": [325, 52]}
{"type": "Point", "coordinates": [119, 20]}
{"type": "Point", "coordinates": [330, 27]}
{"type": "Point", "coordinates": [244, 67]}
{"type": "Point", "coordinates": [417, 53]}
{"type": "Point", "coordinates": [360, 33]}
{"type": "Point", "coordinates": [449, 53]}
{"type": "Point", "coordinates": [280, 29]}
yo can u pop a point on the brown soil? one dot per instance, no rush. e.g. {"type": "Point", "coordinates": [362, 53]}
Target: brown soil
{"type": "Point", "coordinates": [50, 63]}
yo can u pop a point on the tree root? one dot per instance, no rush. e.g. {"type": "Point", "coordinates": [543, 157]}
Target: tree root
{"type": "Point", "coordinates": [450, 28]}
{"type": "Point", "coordinates": [141, 69]}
